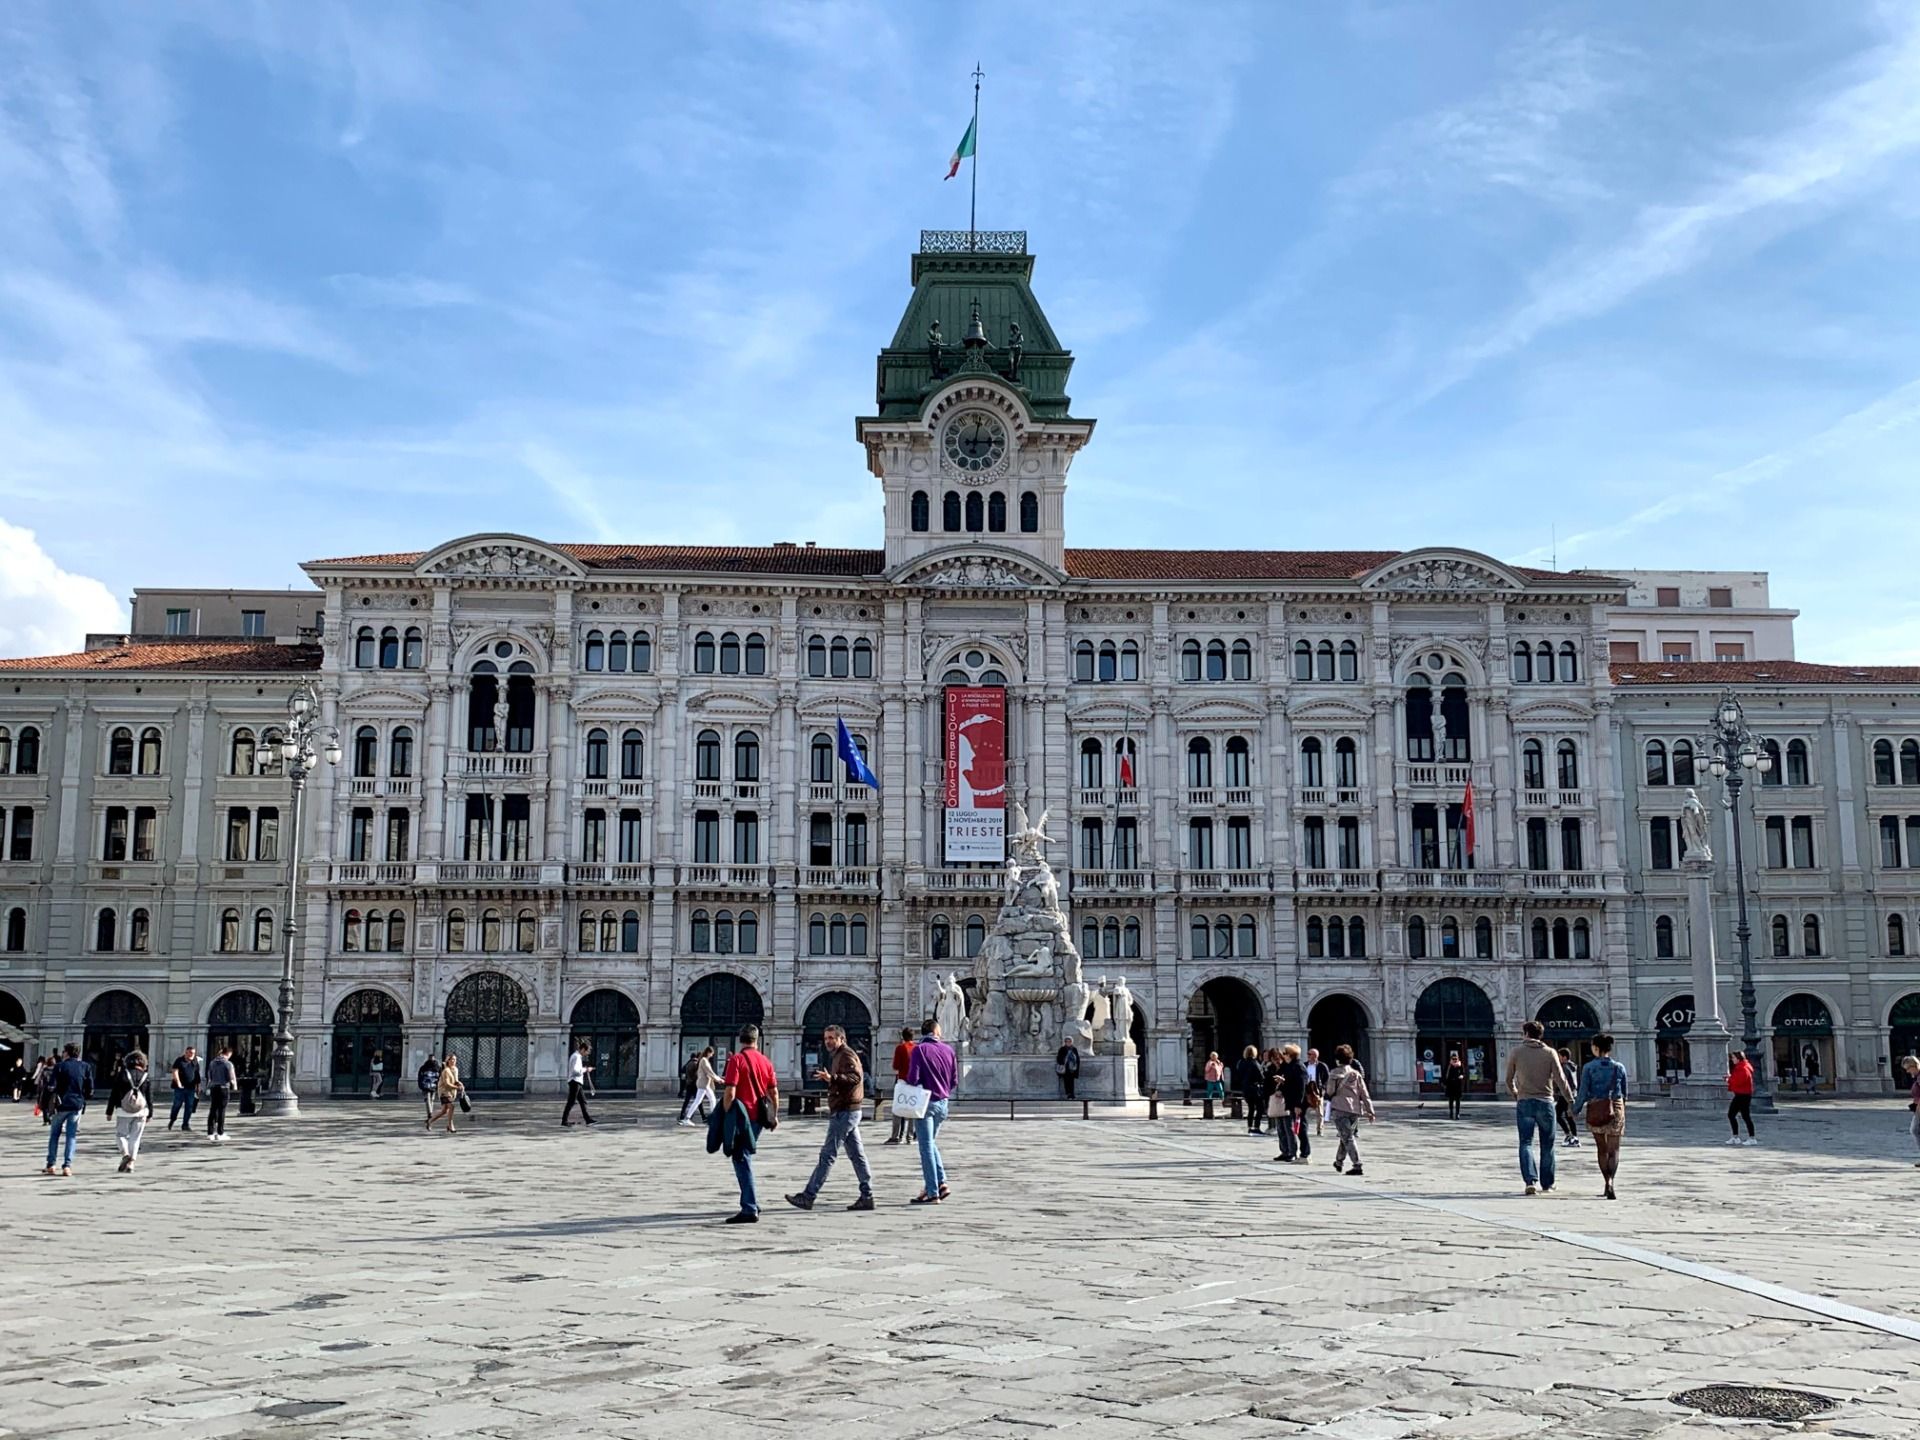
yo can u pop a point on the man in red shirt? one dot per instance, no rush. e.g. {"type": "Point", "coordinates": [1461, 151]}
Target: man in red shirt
{"type": "Point", "coordinates": [902, 1058]}
{"type": "Point", "coordinates": [749, 1079]}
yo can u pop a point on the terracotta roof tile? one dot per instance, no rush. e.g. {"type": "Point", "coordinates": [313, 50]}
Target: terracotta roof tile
{"type": "Point", "coordinates": [183, 657]}
{"type": "Point", "coordinates": [1758, 672]}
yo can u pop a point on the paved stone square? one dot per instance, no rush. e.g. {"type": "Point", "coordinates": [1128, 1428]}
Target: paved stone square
{"type": "Point", "coordinates": [346, 1275]}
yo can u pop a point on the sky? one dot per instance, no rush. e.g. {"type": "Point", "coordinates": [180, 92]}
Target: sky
{"type": "Point", "coordinates": [1623, 284]}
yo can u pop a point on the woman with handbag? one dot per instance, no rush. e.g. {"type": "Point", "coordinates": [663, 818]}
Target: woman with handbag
{"type": "Point", "coordinates": [1602, 1097]}
{"type": "Point", "coordinates": [446, 1092]}
{"type": "Point", "coordinates": [131, 1095]}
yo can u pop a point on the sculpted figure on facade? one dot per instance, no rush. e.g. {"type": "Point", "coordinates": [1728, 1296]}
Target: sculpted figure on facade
{"type": "Point", "coordinates": [1696, 829]}
{"type": "Point", "coordinates": [950, 1007]}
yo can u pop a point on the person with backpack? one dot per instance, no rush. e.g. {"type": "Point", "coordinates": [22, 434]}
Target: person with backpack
{"type": "Point", "coordinates": [130, 1093]}
{"type": "Point", "coordinates": [427, 1077]}
{"type": "Point", "coordinates": [1066, 1064]}
{"type": "Point", "coordinates": [1602, 1098]}
{"type": "Point", "coordinates": [222, 1081]}
{"type": "Point", "coordinates": [72, 1087]}
{"type": "Point", "coordinates": [700, 1085]}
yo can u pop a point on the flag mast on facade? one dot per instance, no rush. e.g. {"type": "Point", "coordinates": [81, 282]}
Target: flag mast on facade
{"type": "Point", "coordinates": [965, 151]}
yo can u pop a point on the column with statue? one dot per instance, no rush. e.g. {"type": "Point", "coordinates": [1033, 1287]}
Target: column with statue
{"type": "Point", "coordinates": [1708, 1039]}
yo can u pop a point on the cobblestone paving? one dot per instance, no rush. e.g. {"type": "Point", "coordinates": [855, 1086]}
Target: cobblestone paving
{"type": "Point", "coordinates": [345, 1275]}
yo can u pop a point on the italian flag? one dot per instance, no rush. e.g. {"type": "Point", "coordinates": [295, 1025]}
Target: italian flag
{"type": "Point", "coordinates": [1466, 817]}
{"type": "Point", "coordinates": [961, 151]}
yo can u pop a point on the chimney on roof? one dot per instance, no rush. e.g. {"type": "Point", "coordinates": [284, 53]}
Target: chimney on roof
{"type": "Point", "coordinates": [785, 545]}
{"type": "Point", "coordinates": [811, 544]}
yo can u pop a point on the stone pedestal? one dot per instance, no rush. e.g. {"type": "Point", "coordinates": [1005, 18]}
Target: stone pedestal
{"type": "Point", "coordinates": [1107, 1078]}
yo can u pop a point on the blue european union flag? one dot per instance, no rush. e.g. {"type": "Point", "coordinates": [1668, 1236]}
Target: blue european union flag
{"type": "Point", "coordinates": [857, 770]}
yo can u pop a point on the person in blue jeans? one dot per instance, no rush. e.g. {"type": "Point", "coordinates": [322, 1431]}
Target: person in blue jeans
{"type": "Point", "coordinates": [1535, 1080]}
{"type": "Point", "coordinates": [72, 1088]}
{"type": "Point", "coordinates": [935, 1068]}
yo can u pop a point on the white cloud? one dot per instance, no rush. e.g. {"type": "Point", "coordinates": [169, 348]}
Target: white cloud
{"type": "Point", "coordinates": [45, 610]}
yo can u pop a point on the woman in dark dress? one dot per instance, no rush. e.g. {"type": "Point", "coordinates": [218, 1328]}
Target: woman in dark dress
{"type": "Point", "coordinates": [1249, 1080]}
{"type": "Point", "coordinates": [1454, 1082]}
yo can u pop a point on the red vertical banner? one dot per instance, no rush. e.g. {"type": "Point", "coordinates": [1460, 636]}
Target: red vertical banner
{"type": "Point", "coordinates": [976, 773]}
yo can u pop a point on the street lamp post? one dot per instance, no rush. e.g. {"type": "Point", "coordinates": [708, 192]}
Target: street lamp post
{"type": "Point", "coordinates": [1733, 750]}
{"type": "Point", "coordinates": [306, 742]}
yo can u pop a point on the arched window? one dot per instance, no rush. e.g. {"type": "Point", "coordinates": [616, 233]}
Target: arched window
{"type": "Point", "coordinates": [1543, 663]}
{"type": "Point", "coordinates": [1810, 935]}
{"type": "Point", "coordinates": [1663, 938]}
{"type": "Point", "coordinates": [617, 652]}
{"type": "Point", "coordinates": [1346, 764]}
{"type": "Point", "coordinates": [630, 931]}
{"type": "Point", "coordinates": [1109, 667]}
{"type": "Point", "coordinates": [589, 931]}
{"type": "Point", "coordinates": [996, 512]}
{"type": "Point", "coordinates": [976, 935]}
{"type": "Point", "coordinates": [1242, 660]}
{"type": "Point", "coordinates": [746, 756]}
{"type": "Point", "coordinates": [1199, 937]}
{"type": "Point", "coordinates": [1450, 938]}
{"type": "Point", "coordinates": [1200, 763]}
{"type": "Point", "coordinates": [490, 937]}
{"type": "Point", "coordinates": [120, 752]}
{"type": "Point", "coordinates": [596, 754]}
{"type": "Point", "coordinates": [1896, 934]}
{"type": "Point", "coordinates": [1656, 763]}
{"type": "Point", "coordinates": [1541, 945]}
{"type": "Point", "coordinates": [1683, 762]}
{"type": "Point", "coordinates": [1349, 660]}
{"type": "Point", "coordinates": [1083, 662]}
{"type": "Point", "coordinates": [525, 932]}
{"type": "Point", "coordinates": [1336, 939]}
{"type": "Point", "coordinates": [723, 932]}
{"type": "Point", "coordinates": [139, 931]}
{"type": "Point", "coordinates": [1562, 941]}
{"type": "Point", "coordinates": [17, 929]}
{"type": "Point", "coordinates": [1882, 762]}
{"type": "Point", "coordinates": [1533, 766]}
{"type": "Point", "coordinates": [1419, 717]}
{"type": "Point", "coordinates": [940, 938]}
{"type": "Point", "coordinates": [1482, 939]}
{"type": "Point", "coordinates": [1568, 772]}
{"type": "Point", "coordinates": [1799, 768]}
{"type": "Point", "coordinates": [1302, 660]}
{"type": "Point", "coordinates": [1130, 940]}
{"type": "Point", "coordinates": [729, 654]}
{"type": "Point", "coordinates": [919, 513]}
{"type": "Point", "coordinates": [700, 933]}
{"type": "Point", "coordinates": [1323, 661]}
{"type": "Point", "coordinates": [150, 751]}
{"type": "Point", "coordinates": [642, 652]}
{"type": "Point", "coordinates": [1110, 940]}
{"type": "Point", "coordinates": [704, 653]}
{"type": "Point", "coordinates": [820, 759]}
{"type": "Point", "coordinates": [1091, 766]}
{"type": "Point", "coordinates": [839, 662]}
{"type": "Point", "coordinates": [1247, 937]}
{"type": "Point", "coordinates": [376, 932]}
{"type": "Point", "coordinates": [1776, 773]}
{"type": "Point", "coordinates": [351, 927]}
{"type": "Point", "coordinates": [26, 754]}
{"type": "Point", "coordinates": [1782, 935]}
{"type": "Point", "coordinates": [400, 753]}
{"type": "Point", "coordinates": [1416, 939]}
{"type": "Point", "coordinates": [633, 755]}
{"type": "Point", "coordinates": [1356, 938]}
{"type": "Point", "coordinates": [229, 930]}
{"type": "Point", "coordinates": [950, 512]}
{"type": "Point", "coordinates": [1190, 660]}
{"type": "Point", "coordinates": [1312, 770]}
{"type": "Point", "coordinates": [706, 755]}
{"type": "Point", "coordinates": [366, 752]}
{"type": "Point", "coordinates": [596, 652]}
{"type": "Point", "coordinates": [413, 655]}
{"type": "Point", "coordinates": [1582, 940]}
{"type": "Point", "coordinates": [857, 935]}
{"type": "Point", "coordinates": [1239, 763]}
{"type": "Point", "coordinates": [1222, 935]}
{"type": "Point", "coordinates": [363, 648]}
{"type": "Point", "coordinates": [1909, 759]}
{"type": "Point", "coordinates": [863, 659]}
{"type": "Point", "coordinates": [1523, 663]}
{"type": "Point", "coordinates": [1569, 663]}
{"type": "Point", "coordinates": [389, 648]}
{"type": "Point", "coordinates": [976, 514]}
{"type": "Point", "coordinates": [817, 656]}
{"type": "Point", "coordinates": [242, 763]}
{"type": "Point", "coordinates": [456, 931]}
{"type": "Point", "coordinates": [1316, 938]}
{"type": "Point", "coordinates": [1129, 661]}
{"type": "Point", "coordinates": [1029, 513]}
{"type": "Point", "coordinates": [1216, 660]}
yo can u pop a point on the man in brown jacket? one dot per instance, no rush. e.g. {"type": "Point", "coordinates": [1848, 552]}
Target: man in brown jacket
{"type": "Point", "coordinates": [1534, 1078]}
{"type": "Point", "coordinates": [845, 1096]}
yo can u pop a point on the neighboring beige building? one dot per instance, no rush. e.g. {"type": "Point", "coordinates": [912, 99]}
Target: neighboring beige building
{"type": "Point", "coordinates": [285, 615]}
{"type": "Point", "coordinates": [1692, 615]}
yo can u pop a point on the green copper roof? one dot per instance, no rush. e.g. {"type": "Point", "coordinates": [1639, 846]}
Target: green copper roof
{"type": "Point", "coordinates": [949, 279]}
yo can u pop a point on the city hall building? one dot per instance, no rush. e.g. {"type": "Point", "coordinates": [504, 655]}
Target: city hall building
{"type": "Point", "coordinates": [1399, 800]}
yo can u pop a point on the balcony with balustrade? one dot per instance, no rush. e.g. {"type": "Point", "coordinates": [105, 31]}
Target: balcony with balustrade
{"type": "Point", "coordinates": [495, 764]}
{"type": "Point", "coordinates": [1337, 882]}
{"type": "Point", "coordinates": [853, 881]}
{"type": "Point", "coordinates": [735, 879]}
{"type": "Point", "coordinates": [1110, 883]}
{"type": "Point", "coordinates": [1225, 882]}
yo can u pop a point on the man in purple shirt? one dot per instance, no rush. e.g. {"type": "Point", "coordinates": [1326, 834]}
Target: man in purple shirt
{"type": "Point", "coordinates": [933, 1066]}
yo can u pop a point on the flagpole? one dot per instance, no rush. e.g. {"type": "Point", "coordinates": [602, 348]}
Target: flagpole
{"type": "Point", "coordinates": [973, 181]}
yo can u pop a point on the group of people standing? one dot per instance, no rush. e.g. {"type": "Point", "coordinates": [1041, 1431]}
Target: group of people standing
{"type": "Point", "coordinates": [64, 1084]}
{"type": "Point", "coordinates": [1296, 1093]}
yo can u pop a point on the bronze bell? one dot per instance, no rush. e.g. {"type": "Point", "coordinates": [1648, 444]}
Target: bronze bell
{"type": "Point", "coordinates": [976, 336]}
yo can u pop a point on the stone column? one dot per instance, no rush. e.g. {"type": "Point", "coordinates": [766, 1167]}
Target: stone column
{"type": "Point", "coordinates": [1709, 1038]}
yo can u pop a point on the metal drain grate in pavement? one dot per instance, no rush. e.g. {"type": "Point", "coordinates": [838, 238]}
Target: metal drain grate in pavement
{"type": "Point", "coordinates": [1754, 1402]}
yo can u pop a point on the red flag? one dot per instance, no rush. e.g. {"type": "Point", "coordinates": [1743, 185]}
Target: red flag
{"type": "Point", "coordinates": [1126, 768]}
{"type": "Point", "coordinates": [1466, 815]}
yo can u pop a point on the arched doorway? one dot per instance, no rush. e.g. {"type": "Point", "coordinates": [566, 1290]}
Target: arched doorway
{"type": "Point", "coordinates": [1337, 1020]}
{"type": "Point", "coordinates": [715, 1008]}
{"type": "Point", "coordinates": [1454, 1016]}
{"type": "Point", "coordinates": [13, 1041]}
{"type": "Point", "coordinates": [836, 1007]}
{"type": "Point", "coordinates": [487, 1032]}
{"type": "Point", "coordinates": [365, 1024]}
{"type": "Point", "coordinates": [1223, 1017]}
{"type": "Point", "coordinates": [1571, 1026]}
{"type": "Point", "coordinates": [244, 1020]}
{"type": "Point", "coordinates": [1903, 1035]}
{"type": "Point", "coordinates": [1673, 1054]}
{"type": "Point", "coordinates": [116, 1023]}
{"type": "Point", "coordinates": [610, 1022]}
{"type": "Point", "coordinates": [1137, 1032]}
{"type": "Point", "coordinates": [1803, 1044]}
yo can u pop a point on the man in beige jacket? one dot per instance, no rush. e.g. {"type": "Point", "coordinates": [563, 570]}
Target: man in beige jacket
{"type": "Point", "coordinates": [1534, 1077]}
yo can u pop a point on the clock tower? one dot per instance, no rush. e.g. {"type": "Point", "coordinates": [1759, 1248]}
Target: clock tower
{"type": "Point", "coordinates": [975, 432]}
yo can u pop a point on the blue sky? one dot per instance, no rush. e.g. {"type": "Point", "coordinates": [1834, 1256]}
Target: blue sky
{"type": "Point", "coordinates": [289, 281]}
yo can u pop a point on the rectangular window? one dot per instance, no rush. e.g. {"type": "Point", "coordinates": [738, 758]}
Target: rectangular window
{"type": "Point", "coordinates": [1349, 842]}
{"type": "Point", "coordinates": [1720, 597]}
{"type": "Point", "coordinates": [1725, 651]}
{"type": "Point", "coordinates": [1675, 652]}
{"type": "Point", "coordinates": [1313, 843]}
{"type": "Point", "coordinates": [1660, 843]}
{"type": "Point", "coordinates": [113, 845]}
{"type": "Point", "coordinates": [1240, 843]}
{"type": "Point", "coordinates": [21, 847]}
{"type": "Point", "coordinates": [1913, 839]}
{"type": "Point", "coordinates": [593, 838]}
{"type": "Point", "coordinates": [1889, 842]}
{"type": "Point", "coordinates": [706, 837]}
{"type": "Point", "coordinates": [1803, 842]}
{"type": "Point", "coordinates": [1537, 858]}
{"type": "Point", "coordinates": [179, 622]}
{"type": "Point", "coordinates": [253, 622]}
{"type": "Point", "coordinates": [1200, 844]}
{"type": "Point", "coordinates": [399, 834]}
{"type": "Point", "coordinates": [854, 851]}
{"type": "Point", "coordinates": [1126, 843]}
{"type": "Point", "coordinates": [266, 835]}
{"type": "Point", "coordinates": [240, 834]}
{"type": "Point", "coordinates": [1667, 597]}
{"type": "Point", "coordinates": [1424, 836]}
{"type": "Point", "coordinates": [478, 841]}
{"type": "Point", "coordinates": [1623, 650]}
{"type": "Point", "coordinates": [820, 840]}
{"type": "Point", "coordinates": [516, 827]}
{"type": "Point", "coordinates": [746, 838]}
{"type": "Point", "coordinates": [632, 837]}
{"type": "Point", "coordinates": [1571, 852]}
{"type": "Point", "coordinates": [1092, 845]}
{"type": "Point", "coordinates": [359, 835]}
{"type": "Point", "coordinates": [1776, 842]}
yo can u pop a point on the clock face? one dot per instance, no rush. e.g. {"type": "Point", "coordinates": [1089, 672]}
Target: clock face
{"type": "Point", "coordinates": [976, 442]}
